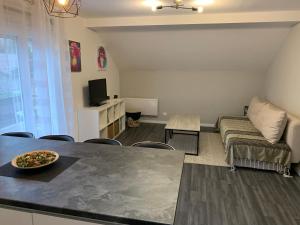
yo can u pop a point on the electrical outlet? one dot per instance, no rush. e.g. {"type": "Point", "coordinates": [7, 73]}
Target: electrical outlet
{"type": "Point", "coordinates": [165, 113]}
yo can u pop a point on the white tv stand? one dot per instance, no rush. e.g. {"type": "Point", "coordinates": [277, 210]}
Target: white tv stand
{"type": "Point", "coordinates": [105, 121]}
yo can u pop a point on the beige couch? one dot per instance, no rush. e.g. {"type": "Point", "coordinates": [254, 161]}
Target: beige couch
{"type": "Point", "coordinates": [247, 146]}
{"type": "Point", "coordinates": [292, 137]}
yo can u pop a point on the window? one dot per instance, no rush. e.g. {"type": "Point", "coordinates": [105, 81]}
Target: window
{"type": "Point", "coordinates": [11, 100]}
{"type": "Point", "coordinates": [33, 94]}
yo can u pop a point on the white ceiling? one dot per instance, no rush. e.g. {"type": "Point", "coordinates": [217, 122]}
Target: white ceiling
{"type": "Point", "coordinates": [117, 8]}
{"type": "Point", "coordinates": [231, 47]}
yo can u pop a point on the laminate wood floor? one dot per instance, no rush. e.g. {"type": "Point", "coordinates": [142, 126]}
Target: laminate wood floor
{"type": "Point", "coordinates": [148, 132]}
{"type": "Point", "coordinates": [211, 195]}
{"type": "Point", "coordinates": [145, 132]}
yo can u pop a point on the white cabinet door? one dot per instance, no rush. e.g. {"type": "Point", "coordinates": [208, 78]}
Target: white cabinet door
{"type": "Point", "coordinates": [13, 217]}
{"type": "Point", "coordinates": [39, 219]}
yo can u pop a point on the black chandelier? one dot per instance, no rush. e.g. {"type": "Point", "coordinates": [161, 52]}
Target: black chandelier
{"type": "Point", "coordinates": [178, 4]}
{"type": "Point", "coordinates": [62, 8]}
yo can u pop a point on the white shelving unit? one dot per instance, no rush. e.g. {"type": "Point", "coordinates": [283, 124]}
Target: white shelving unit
{"type": "Point", "coordinates": [106, 121]}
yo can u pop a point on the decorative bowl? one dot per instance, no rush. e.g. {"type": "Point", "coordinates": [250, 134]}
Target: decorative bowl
{"type": "Point", "coordinates": [35, 159]}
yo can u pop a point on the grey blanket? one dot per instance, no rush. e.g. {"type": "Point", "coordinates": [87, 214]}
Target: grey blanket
{"type": "Point", "coordinates": [243, 141]}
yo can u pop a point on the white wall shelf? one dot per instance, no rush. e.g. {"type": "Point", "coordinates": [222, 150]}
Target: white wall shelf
{"type": "Point", "coordinates": [102, 119]}
{"type": "Point", "coordinates": [106, 121]}
{"type": "Point", "coordinates": [122, 108]}
{"type": "Point", "coordinates": [117, 110]}
{"type": "Point", "coordinates": [122, 122]}
{"type": "Point", "coordinates": [110, 115]}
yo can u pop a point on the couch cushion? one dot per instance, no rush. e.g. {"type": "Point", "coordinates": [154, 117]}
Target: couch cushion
{"type": "Point", "coordinates": [268, 119]}
{"type": "Point", "coordinates": [255, 107]}
{"type": "Point", "coordinates": [272, 122]}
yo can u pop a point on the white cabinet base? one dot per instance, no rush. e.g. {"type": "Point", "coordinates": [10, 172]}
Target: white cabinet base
{"type": "Point", "coordinates": [13, 217]}
{"type": "Point", "coordinates": [39, 219]}
{"type": "Point", "coordinates": [18, 217]}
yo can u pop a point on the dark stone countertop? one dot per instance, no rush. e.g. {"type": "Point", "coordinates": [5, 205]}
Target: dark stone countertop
{"type": "Point", "coordinates": [108, 183]}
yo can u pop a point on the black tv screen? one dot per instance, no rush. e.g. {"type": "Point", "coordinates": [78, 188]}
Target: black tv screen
{"type": "Point", "coordinates": [97, 92]}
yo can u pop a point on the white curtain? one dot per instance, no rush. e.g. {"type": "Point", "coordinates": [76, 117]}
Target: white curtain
{"type": "Point", "coordinates": [35, 80]}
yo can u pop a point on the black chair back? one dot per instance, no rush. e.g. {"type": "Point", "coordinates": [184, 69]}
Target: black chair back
{"type": "Point", "coordinates": [105, 141]}
{"type": "Point", "coordinates": [150, 144]}
{"type": "Point", "coordinates": [19, 134]}
{"type": "Point", "coordinates": [58, 138]}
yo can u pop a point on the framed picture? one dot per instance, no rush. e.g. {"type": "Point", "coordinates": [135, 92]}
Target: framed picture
{"type": "Point", "coordinates": [75, 56]}
{"type": "Point", "coordinates": [101, 59]}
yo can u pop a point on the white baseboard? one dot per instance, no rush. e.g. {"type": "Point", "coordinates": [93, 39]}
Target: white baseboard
{"type": "Point", "coordinates": [165, 122]}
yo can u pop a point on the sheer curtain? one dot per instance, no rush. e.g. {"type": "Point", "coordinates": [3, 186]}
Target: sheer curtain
{"type": "Point", "coordinates": [35, 82]}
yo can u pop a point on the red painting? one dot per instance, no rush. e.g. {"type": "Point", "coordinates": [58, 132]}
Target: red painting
{"type": "Point", "coordinates": [75, 55]}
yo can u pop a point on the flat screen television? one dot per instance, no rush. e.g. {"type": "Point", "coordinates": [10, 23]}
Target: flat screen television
{"type": "Point", "coordinates": [97, 92]}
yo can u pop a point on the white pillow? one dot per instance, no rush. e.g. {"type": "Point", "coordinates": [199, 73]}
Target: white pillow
{"type": "Point", "coordinates": [268, 119]}
{"type": "Point", "coordinates": [272, 122]}
{"type": "Point", "coordinates": [255, 107]}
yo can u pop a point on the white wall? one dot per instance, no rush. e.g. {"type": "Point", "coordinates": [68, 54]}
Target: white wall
{"type": "Point", "coordinates": [90, 41]}
{"type": "Point", "coordinates": [283, 79]}
{"type": "Point", "coordinates": [208, 93]}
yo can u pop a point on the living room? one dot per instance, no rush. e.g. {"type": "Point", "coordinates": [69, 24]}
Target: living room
{"type": "Point", "coordinates": [216, 81]}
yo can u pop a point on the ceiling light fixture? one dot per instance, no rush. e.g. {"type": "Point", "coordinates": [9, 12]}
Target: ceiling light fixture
{"type": "Point", "coordinates": [153, 4]}
{"type": "Point", "coordinates": [62, 8]}
{"type": "Point", "coordinates": [177, 4]}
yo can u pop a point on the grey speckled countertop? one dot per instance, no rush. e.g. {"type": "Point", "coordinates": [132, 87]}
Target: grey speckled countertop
{"type": "Point", "coordinates": [110, 183]}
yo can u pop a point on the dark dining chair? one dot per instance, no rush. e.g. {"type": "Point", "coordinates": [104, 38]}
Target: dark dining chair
{"type": "Point", "coordinates": [105, 141]}
{"type": "Point", "coordinates": [19, 134]}
{"type": "Point", "coordinates": [150, 144]}
{"type": "Point", "coordinates": [58, 138]}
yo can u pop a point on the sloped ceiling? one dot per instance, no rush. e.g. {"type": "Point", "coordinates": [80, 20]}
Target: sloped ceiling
{"type": "Point", "coordinates": [138, 45]}
{"type": "Point", "coordinates": [220, 47]}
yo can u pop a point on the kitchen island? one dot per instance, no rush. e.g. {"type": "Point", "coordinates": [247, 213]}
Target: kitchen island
{"type": "Point", "coordinates": [99, 184]}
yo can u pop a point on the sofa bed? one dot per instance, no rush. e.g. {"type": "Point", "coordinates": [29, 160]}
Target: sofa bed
{"type": "Point", "coordinates": [266, 138]}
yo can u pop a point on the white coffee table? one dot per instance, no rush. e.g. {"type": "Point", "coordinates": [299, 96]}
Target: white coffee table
{"type": "Point", "coordinates": [183, 124]}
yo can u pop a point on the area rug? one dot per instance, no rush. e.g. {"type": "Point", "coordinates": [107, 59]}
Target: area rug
{"type": "Point", "coordinates": [211, 150]}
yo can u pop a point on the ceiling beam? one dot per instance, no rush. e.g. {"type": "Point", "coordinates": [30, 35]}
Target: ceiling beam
{"type": "Point", "coordinates": [201, 19]}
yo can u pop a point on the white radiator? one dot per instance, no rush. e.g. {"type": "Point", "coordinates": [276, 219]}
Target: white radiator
{"type": "Point", "coordinates": [148, 107]}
